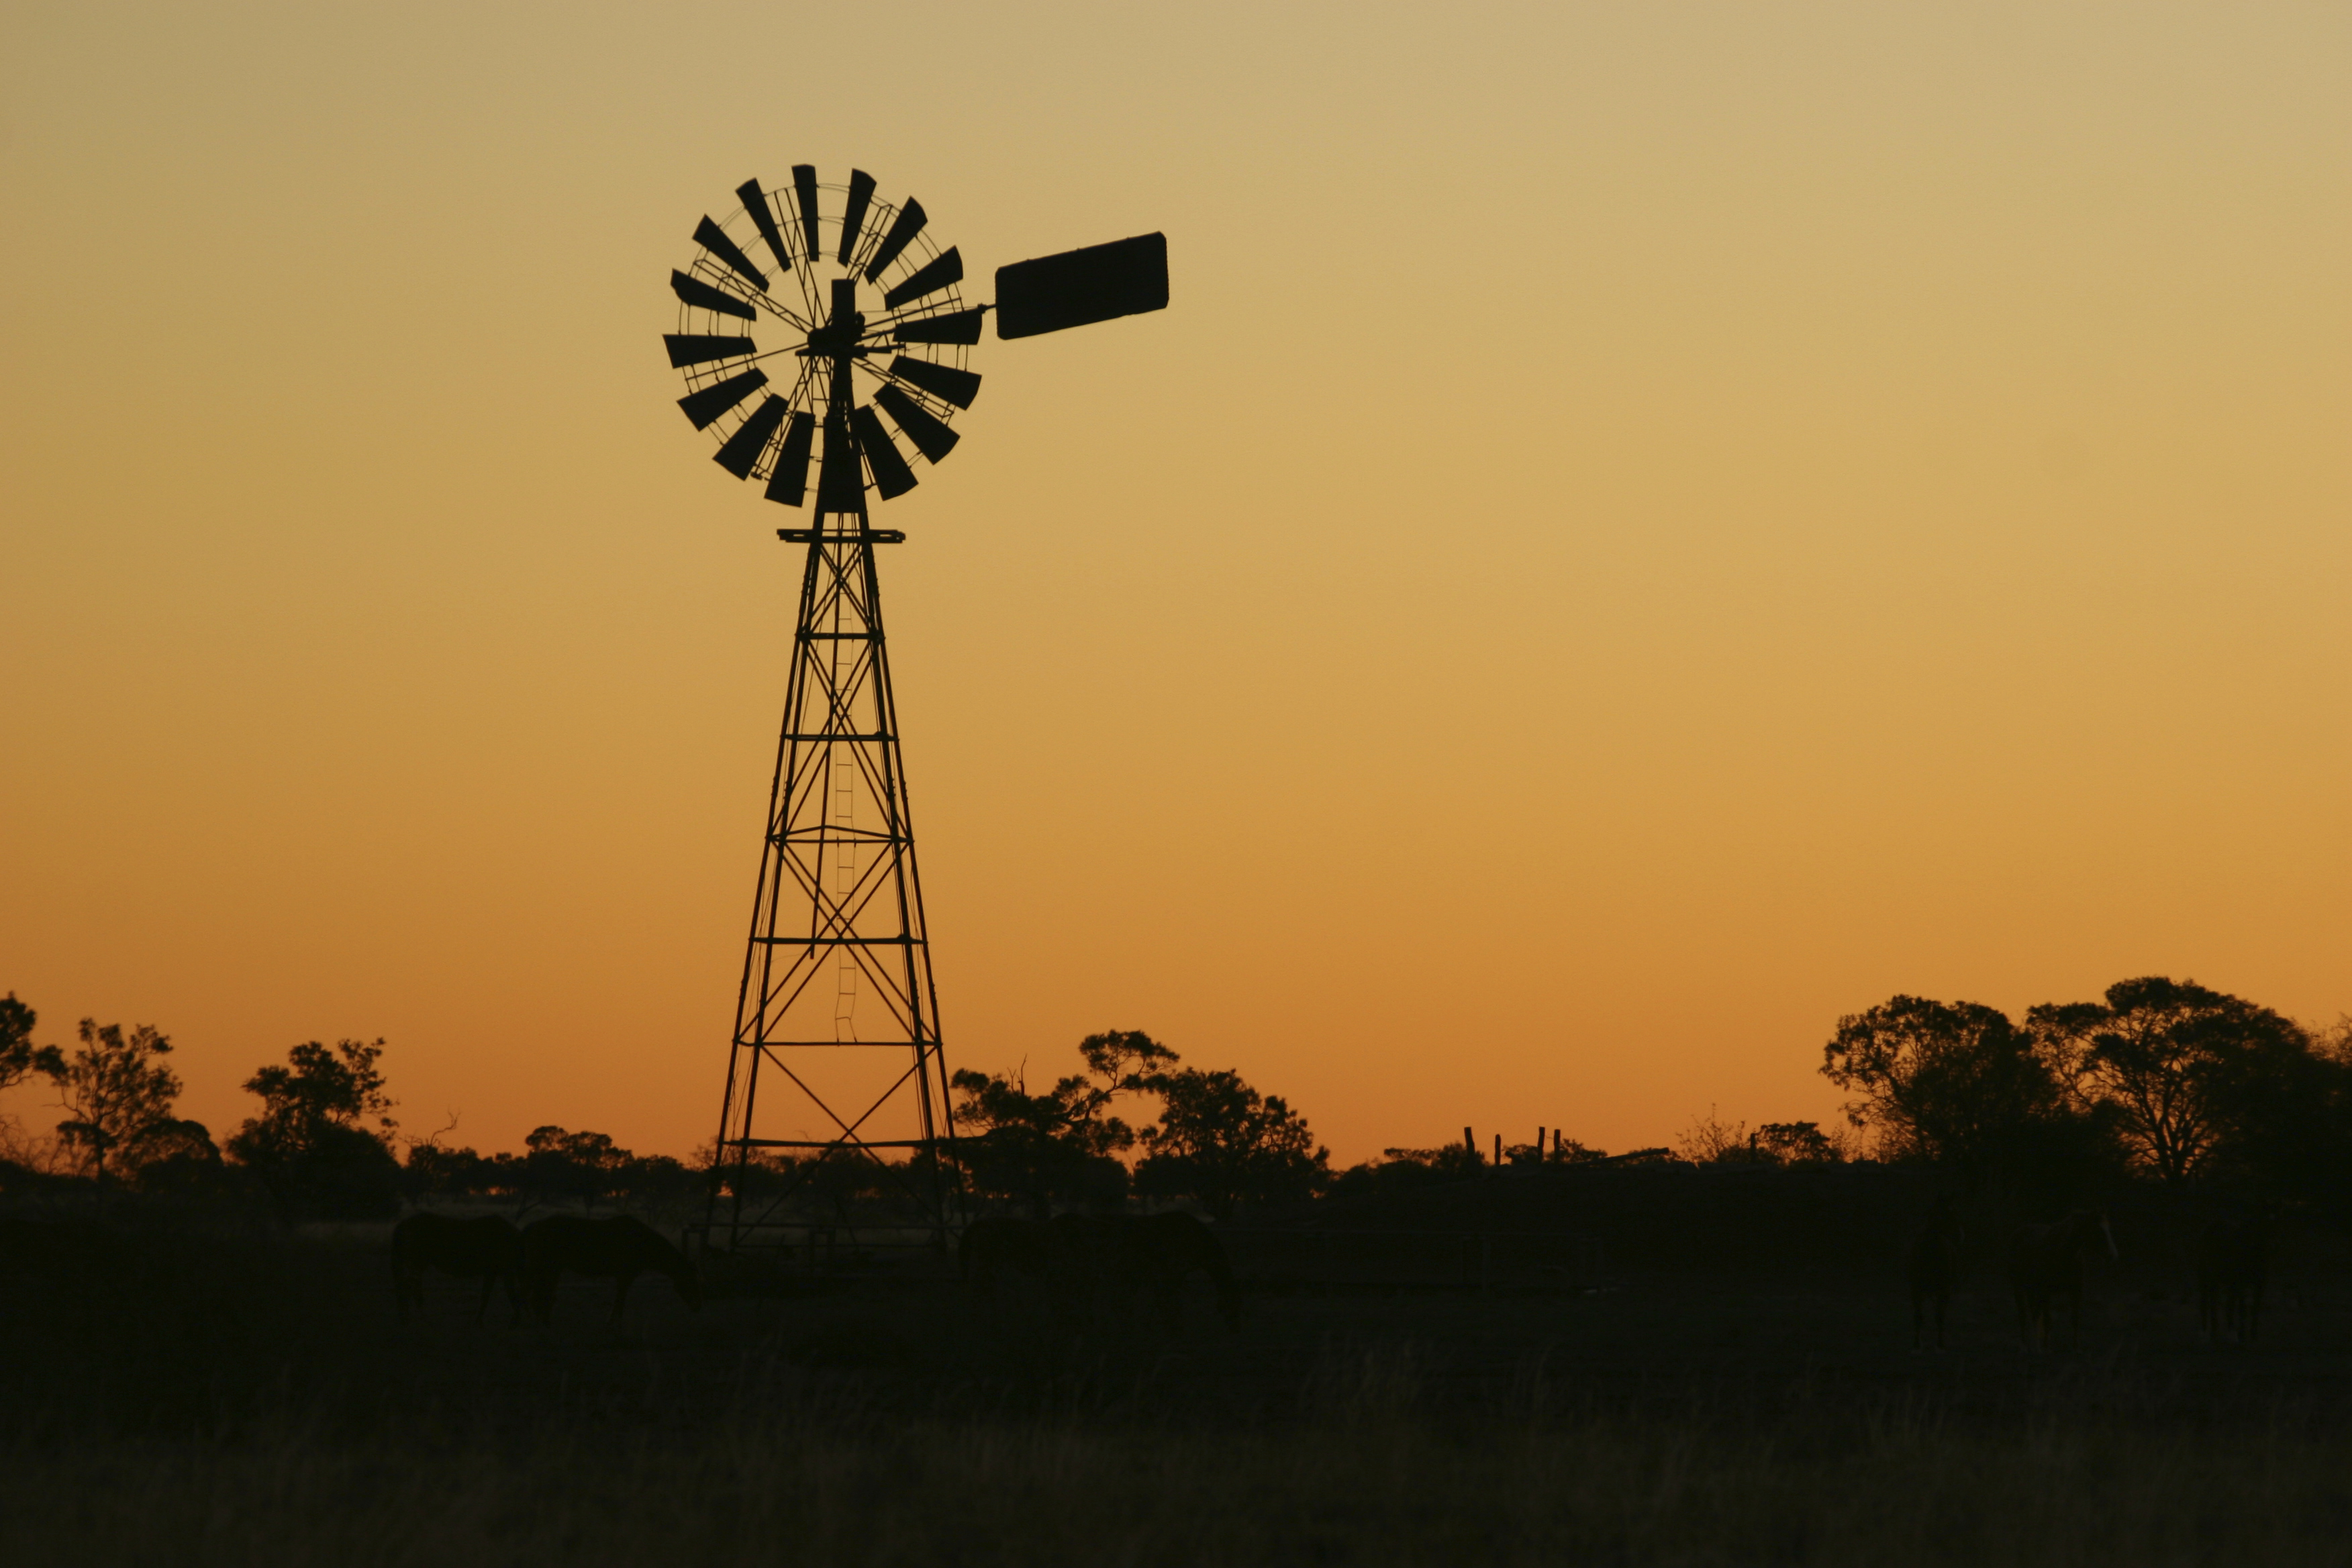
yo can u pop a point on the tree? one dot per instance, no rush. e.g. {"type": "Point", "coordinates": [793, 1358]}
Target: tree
{"type": "Point", "coordinates": [1951, 1083]}
{"type": "Point", "coordinates": [2170, 1057]}
{"type": "Point", "coordinates": [311, 1145]}
{"type": "Point", "coordinates": [1062, 1143]}
{"type": "Point", "coordinates": [19, 1057]}
{"type": "Point", "coordinates": [116, 1093]}
{"type": "Point", "coordinates": [585, 1165]}
{"type": "Point", "coordinates": [1221, 1142]}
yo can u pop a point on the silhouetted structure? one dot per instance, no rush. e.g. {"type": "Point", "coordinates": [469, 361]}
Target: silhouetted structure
{"type": "Point", "coordinates": [839, 952]}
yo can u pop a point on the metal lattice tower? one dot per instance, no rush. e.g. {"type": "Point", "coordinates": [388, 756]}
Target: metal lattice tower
{"type": "Point", "coordinates": [839, 958]}
{"type": "Point", "coordinates": [836, 1058]}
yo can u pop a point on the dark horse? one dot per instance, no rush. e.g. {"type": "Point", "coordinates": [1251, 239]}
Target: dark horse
{"type": "Point", "coordinates": [2045, 1262]}
{"type": "Point", "coordinates": [488, 1248]}
{"type": "Point", "coordinates": [2232, 1261]}
{"type": "Point", "coordinates": [1033, 1247]}
{"type": "Point", "coordinates": [1933, 1266]}
{"type": "Point", "coordinates": [1121, 1253]}
{"type": "Point", "coordinates": [618, 1249]}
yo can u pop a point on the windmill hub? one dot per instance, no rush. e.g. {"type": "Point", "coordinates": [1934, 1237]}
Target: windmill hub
{"type": "Point", "coordinates": [838, 340]}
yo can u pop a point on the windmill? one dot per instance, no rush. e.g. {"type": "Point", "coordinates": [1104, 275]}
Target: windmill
{"type": "Point", "coordinates": [824, 341]}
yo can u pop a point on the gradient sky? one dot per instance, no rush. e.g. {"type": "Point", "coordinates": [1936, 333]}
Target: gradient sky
{"type": "Point", "coordinates": [1645, 528]}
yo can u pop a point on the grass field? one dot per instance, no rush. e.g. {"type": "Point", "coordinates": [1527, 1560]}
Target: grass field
{"type": "Point", "coordinates": [243, 1395]}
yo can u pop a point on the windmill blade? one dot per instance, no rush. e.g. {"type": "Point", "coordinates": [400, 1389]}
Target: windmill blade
{"type": "Point", "coordinates": [853, 217]}
{"type": "Point", "coordinates": [1125, 277]}
{"type": "Point", "coordinates": [903, 230]}
{"type": "Point", "coordinates": [741, 452]}
{"type": "Point", "coordinates": [840, 486]}
{"type": "Point", "coordinates": [694, 291]}
{"type": "Point", "coordinates": [891, 475]}
{"type": "Point", "coordinates": [755, 201]}
{"type": "Point", "coordinates": [930, 434]}
{"type": "Point", "coordinates": [936, 274]}
{"type": "Point", "coordinates": [692, 348]}
{"type": "Point", "coordinates": [706, 406]}
{"type": "Point", "coordinates": [943, 382]}
{"type": "Point", "coordinates": [789, 482]}
{"type": "Point", "coordinates": [805, 186]}
{"type": "Point", "coordinates": [950, 327]}
{"type": "Point", "coordinates": [713, 238]}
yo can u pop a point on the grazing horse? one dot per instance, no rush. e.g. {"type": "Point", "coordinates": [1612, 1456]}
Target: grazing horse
{"type": "Point", "coordinates": [1120, 1254]}
{"type": "Point", "coordinates": [2045, 1262]}
{"type": "Point", "coordinates": [2232, 1260]}
{"type": "Point", "coordinates": [488, 1248]}
{"type": "Point", "coordinates": [1033, 1247]}
{"type": "Point", "coordinates": [1933, 1266]}
{"type": "Point", "coordinates": [618, 1249]}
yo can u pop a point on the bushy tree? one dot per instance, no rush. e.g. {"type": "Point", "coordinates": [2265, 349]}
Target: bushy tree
{"type": "Point", "coordinates": [558, 1164]}
{"type": "Point", "coordinates": [117, 1096]}
{"type": "Point", "coordinates": [2170, 1057]}
{"type": "Point", "coordinates": [310, 1144]}
{"type": "Point", "coordinates": [1061, 1144]}
{"type": "Point", "coordinates": [19, 1057]}
{"type": "Point", "coordinates": [1221, 1144]}
{"type": "Point", "coordinates": [1956, 1084]}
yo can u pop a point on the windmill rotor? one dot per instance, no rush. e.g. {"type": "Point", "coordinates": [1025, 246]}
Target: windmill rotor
{"type": "Point", "coordinates": [823, 334]}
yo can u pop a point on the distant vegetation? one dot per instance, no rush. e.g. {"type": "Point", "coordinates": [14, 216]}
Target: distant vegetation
{"type": "Point", "coordinates": [2161, 1079]}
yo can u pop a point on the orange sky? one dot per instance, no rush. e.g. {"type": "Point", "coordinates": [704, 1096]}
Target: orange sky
{"type": "Point", "coordinates": [1643, 528]}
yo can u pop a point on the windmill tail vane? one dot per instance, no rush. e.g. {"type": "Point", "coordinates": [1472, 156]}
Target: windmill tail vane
{"type": "Point", "coordinates": [825, 340]}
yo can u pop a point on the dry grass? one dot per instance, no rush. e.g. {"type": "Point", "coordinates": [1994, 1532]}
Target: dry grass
{"type": "Point", "coordinates": [1365, 1478]}
{"type": "Point", "coordinates": [251, 1403]}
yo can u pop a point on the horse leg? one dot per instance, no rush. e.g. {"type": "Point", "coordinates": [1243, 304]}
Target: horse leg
{"type": "Point", "coordinates": [621, 1283]}
{"type": "Point", "coordinates": [482, 1307]}
{"type": "Point", "coordinates": [1943, 1305]}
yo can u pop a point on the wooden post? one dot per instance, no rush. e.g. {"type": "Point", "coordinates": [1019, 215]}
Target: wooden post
{"type": "Point", "coordinates": [1469, 1142]}
{"type": "Point", "coordinates": [1499, 1151]}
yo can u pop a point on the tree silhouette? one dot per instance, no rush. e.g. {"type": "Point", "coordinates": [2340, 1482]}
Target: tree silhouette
{"type": "Point", "coordinates": [116, 1093]}
{"type": "Point", "coordinates": [1034, 1148]}
{"type": "Point", "coordinates": [1952, 1083]}
{"type": "Point", "coordinates": [19, 1057]}
{"type": "Point", "coordinates": [2170, 1057]}
{"type": "Point", "coordinates": [1221, 1142]}
{"type": "Point", "coordinates": [309, 1144]}
{"type": "Point", "coordinates": [585, 1165]}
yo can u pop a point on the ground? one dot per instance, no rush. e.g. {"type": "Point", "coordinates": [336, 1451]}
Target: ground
{"type": "Point", "coordinates": [198, 1393]}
